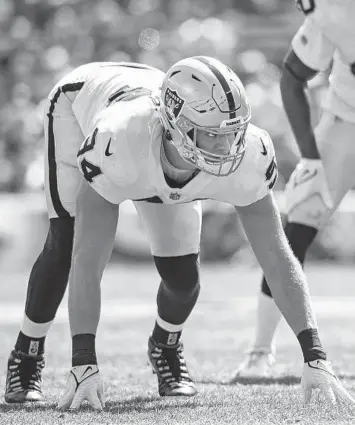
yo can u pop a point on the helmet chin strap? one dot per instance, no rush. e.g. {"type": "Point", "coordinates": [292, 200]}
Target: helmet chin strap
{"type": "Point", "coordinates": [173, 156]}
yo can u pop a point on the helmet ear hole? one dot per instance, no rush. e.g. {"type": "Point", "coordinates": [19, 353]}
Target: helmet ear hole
{"type": "Point", "coordinates": [191, 133]}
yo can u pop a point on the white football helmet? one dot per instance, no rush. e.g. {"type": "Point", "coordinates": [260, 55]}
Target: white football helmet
{"type": "Point", "coordinates": [201, 93]}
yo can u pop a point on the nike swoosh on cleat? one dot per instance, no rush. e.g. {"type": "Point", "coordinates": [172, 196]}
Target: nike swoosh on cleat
{"type": "Point", "coordinates": [107, 150]}
{"type": "Point", "coordinates": [264, 151]}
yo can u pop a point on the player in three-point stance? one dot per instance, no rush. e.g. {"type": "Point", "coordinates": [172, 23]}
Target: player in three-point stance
{"type": "Point", "coordinates": [164, 141]}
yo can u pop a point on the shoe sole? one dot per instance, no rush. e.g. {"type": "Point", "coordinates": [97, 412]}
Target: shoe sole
{"type": "Point", "coordinates": [180, 393]}
{"type": "Point", "coordinates": [24, 398]}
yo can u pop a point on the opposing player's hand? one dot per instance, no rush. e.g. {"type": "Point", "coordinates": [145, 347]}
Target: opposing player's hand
{"type": "Point", "coordinates": [309, 173]}
{"type": "Point", "coordinates": [84, 383]}
{"type": "Point", "coordinates": [319, 375]}
{"type": "Point", "coordinates": [308, 180]}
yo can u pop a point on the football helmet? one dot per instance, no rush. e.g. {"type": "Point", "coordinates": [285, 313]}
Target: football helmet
{"type": "Point", "coordinates": [201, 93]}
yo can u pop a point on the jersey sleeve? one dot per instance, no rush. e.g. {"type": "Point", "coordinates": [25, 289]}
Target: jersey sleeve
{"type": "Point", "coordinates": [267, 167]}
{"type": "Point", "coordinates": [96, 161]}
{"type": "Point", "coordinates": [257, 174]}
{"type": "Point", "coordinates": [312, 46]}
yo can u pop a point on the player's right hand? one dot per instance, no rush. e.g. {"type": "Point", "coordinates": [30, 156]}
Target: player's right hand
{"type": "Point", "coordinates": [318, 374]}
{"type": "Point", "coordinates": [84, 383]}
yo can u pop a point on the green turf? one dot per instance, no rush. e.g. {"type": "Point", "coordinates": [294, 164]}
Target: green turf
{"type": "Point", "coordinates": [215, 337]}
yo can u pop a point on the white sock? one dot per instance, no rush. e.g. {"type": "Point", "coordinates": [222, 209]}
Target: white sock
{"type": "Point", "coordinates": [34, 330]}
{"type": "Point", "coordinates": [268, 317]}
{"type": "Point", "coordinates": [169, 327]}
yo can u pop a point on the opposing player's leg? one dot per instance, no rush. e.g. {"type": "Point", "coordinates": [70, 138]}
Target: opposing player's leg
{"type": "Point", "coordinates": [49, 275]}
{"type": "Point", "coordinates": [312, 194]}
{"type": "Point", "coordinates": [174, 234]}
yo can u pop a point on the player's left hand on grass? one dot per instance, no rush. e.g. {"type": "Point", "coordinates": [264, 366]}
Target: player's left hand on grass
{"type": "Point", "coordinates": [318, 374]}
{"type": "Point", "coordinates": [84, 383]}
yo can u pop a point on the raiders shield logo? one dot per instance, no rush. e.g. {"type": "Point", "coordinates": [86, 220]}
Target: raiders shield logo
{"type": "Point", "coordinates": [174, 196]}
{"type": "Point", "coordinates": [34, 347]}
{"type": "Point", "coordinates": [173, 103]}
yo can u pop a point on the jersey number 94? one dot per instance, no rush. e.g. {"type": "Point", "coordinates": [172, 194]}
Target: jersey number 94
{"type": "Point", "coordinates": [89, 170]}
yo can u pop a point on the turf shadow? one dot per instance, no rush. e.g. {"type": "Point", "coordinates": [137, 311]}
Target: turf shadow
{"type": "Point", "coordinates": [27, 407]}
{"type": "Point", "coordinates": [282, 380]}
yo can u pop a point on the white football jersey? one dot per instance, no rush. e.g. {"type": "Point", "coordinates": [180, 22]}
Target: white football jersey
{"type": "Point", "coordinates": [121, 160]}
{"type": "Point", "coordinates": [325, 39]}
{"type": "Point", "coordinates": [109, 82]}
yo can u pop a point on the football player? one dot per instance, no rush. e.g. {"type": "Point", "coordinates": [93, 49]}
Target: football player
{"type": "Point", "coordinates": [164, 141]}
{"type": "Point", "coordinates": [326, 171]}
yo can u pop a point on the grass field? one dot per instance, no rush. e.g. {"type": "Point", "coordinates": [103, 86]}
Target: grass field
{"type": "Point", "coordinates": [215, 338]}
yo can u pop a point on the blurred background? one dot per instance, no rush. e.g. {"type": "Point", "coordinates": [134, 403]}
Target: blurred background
{"type": "Point", "coordinates": [42, 41]}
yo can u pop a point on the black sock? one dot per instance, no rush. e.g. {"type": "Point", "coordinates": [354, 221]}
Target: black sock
{"type": "Point", "coordinates": [29, 345]}
{"type": "Point", "coordinates": [83, 346]}
{"type": "Point", "coordinates": [311, 346]}
{"type": "Point", "coordinates": [164, 337]}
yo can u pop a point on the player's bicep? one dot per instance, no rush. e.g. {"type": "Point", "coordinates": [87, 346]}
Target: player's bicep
{"type": "Point", "coordinates": [95, 229]}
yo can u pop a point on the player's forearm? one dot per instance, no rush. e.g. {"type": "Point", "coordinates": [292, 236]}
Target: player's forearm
{"type": "Point", "coordinates": [289, 289]}
{"type": "Point", "coordinates": [290, 292]}
{"type": "Point", "coordinates": [263, 226]}
{"type": "Point", "coordinates": [84, 297]}
{"type": "Point", "coordinates": [94, 233]}
{"type": "Point", "coordinates": [298, 112]}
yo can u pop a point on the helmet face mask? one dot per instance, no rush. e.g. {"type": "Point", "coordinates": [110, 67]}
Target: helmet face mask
{"type": "Point", "coordinates": [202, 94]}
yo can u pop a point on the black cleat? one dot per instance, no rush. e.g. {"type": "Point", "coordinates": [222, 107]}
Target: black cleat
{"type": "Point", "coordinates": [170, 366]}
{"type": "Point", "coordinates": [24, 378]}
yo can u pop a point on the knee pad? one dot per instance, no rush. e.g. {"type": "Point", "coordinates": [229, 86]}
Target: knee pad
{"type": "Point", "coordinates": [179, 274]}
{"type": "Point", "coordinates": [179, 288]}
